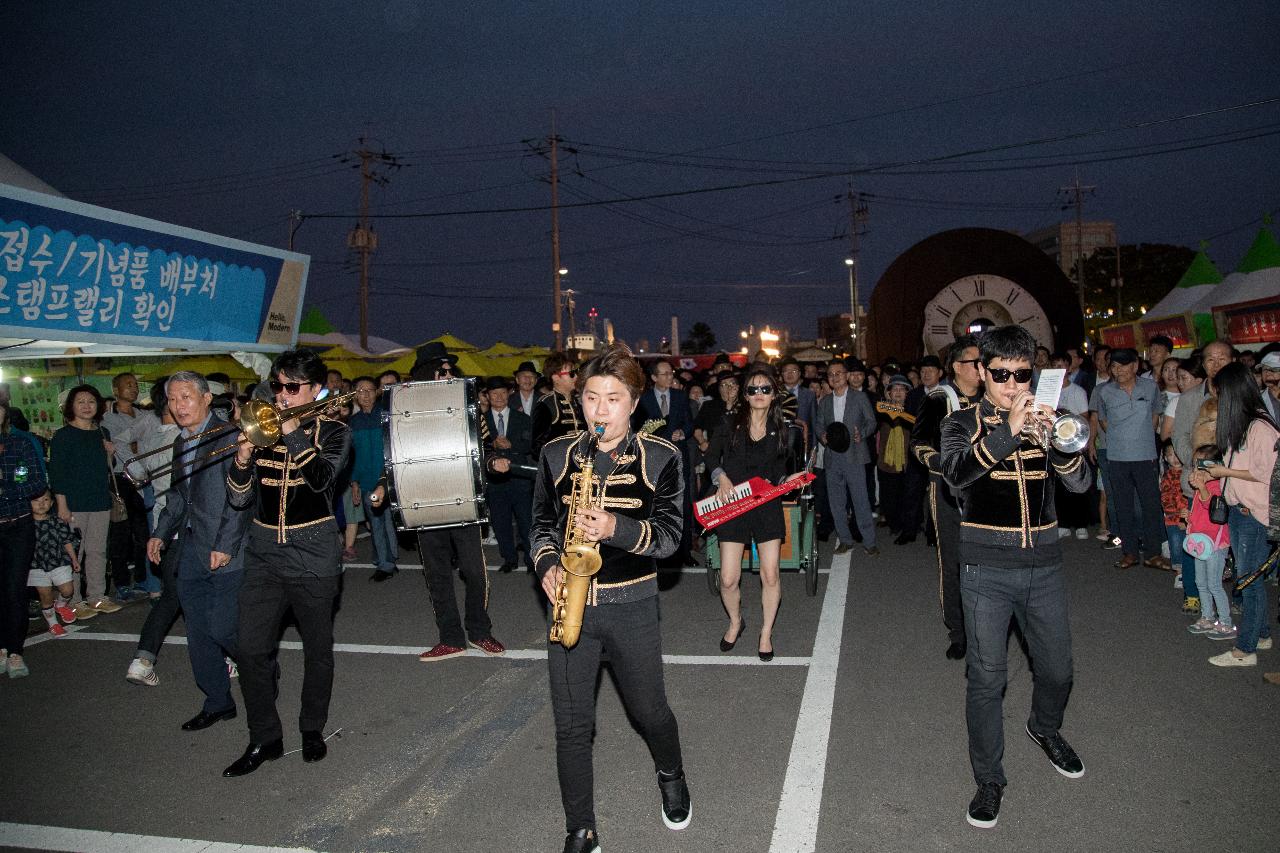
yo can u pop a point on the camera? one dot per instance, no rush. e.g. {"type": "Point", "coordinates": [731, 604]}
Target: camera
{"type": "Point", "coordinates": [1205, 464]}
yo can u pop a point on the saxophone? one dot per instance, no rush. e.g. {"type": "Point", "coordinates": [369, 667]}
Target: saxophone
{"type": "Point", "coordinates": [580, 559]}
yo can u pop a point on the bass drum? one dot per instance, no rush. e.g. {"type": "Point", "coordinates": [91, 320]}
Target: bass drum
{"type": "Point", "coordinates": [432, 449]}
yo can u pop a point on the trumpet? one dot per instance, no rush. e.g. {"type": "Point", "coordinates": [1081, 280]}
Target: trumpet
{"type": "Point", "coordinates": [1064, 431]}
{"type": "Point", "coordinates": [259, 421]}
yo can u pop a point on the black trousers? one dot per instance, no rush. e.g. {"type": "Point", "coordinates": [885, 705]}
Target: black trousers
{"type": "Point", "coordinates": [127, 540]}
{"type": "Point", "coordinates": [17, 548]}
{"type": "Point", "coordinates": [512, 500]}
{"type": "Point", "coordinates": [1141, 532]}
{"type": "Point", "coordinates": [914, 483]}
{"type": "Point", "coordinates": [164, 610]}
{"type": "Point", "coordinates": [892, 499]}
{"type": "Point", "coordinates": [946, 521]}
{"type": "Point", "coordinates": [442, 552]}
{"type": "Point", "coordinates": [631, 635]}
{"type": "Point", "coordinates": [826, 524]}
{"type": "Point", "coordinates": [279, 579]}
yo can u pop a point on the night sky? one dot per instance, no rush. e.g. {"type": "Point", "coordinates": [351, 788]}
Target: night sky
{"type": "Point", "coordinates": [225, 116]}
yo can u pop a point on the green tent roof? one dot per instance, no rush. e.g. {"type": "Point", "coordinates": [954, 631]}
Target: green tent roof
{"type": "Point", "coordinates": [1200, 271]}
{"type": "Point", "coordinates": [314, 323]}
{"type": "Point", "coordinates": [1263, 254]}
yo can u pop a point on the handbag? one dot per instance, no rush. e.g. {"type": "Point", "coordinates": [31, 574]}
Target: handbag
{"type": "Point", "coordinates": [119, 510]}
{"type": "Point", "coordinates": [1218, 511]}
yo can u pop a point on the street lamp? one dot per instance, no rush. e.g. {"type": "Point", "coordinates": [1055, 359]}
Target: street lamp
{"type": "Point", "coordinates": [853, 306]}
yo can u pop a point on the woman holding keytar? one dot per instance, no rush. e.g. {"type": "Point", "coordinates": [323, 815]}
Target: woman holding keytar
{"type": "Point", "coordinates": [752, 444]}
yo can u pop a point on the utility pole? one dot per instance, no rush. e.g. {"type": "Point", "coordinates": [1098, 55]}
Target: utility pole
{"type": "Point", "coordinates": [1078, 193]}
{"type": "Point", "coordinates": [295, 222]}
{"type": "Point", "coordinates": [858, 215]}
{"type": "Point", "coordinates": [555, 235]}
{"type": "Point", "coordinates": [362, 238]}
{"type": "Point", "coordinates": [1119, 284]}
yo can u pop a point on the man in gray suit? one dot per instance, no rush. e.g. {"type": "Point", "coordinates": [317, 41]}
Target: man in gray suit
{"type": "Point", "coordinates": [846, 471]}
{"type": "Point", "coordinates": [209, 535]}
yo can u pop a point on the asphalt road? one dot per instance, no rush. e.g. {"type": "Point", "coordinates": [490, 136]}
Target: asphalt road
{"type": "Point", "coordinates": [853, 738]}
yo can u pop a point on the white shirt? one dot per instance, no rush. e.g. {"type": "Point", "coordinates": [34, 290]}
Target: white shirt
{"type": "Point", "coordinates": [502, 420]}
{"type": "Point", "coordinates": [526, 403]}
{"type": "Point", "coordinates": [126, 430]}
{"type": "Point", "coordinates": [837, 406]}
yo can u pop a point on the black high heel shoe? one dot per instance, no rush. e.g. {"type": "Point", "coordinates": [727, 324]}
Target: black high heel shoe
{"type": "Point", "coordinates": [766, 656]}
{"type": "Point", "coordinates": [725, 645]}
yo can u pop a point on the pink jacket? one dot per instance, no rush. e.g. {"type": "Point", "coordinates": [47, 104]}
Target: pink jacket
{"type": "Point", "coordinates": [1258, 457]}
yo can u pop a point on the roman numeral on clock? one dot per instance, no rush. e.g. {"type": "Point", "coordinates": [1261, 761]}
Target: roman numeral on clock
{"type": "Point", "coordinates": [1012, 297]}
{"type": "Point", "coordinates": [945, 312]}
{"type": "Point", "coordinates": [939, 330]}
{"type": "Point", "coordinates": [979, 287]}
{"type": "Point", "coordinates": [1027, 319]}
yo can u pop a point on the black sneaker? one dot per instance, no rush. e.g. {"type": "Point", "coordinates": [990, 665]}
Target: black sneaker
{"type": "Point", "coordinates": [984, 808]}
{"type": "Point", "coordinates": [582, 841]}
{"type": "Point", "coordinates": [1062, 756]}
{"type": "Point", "coordinates": [676, 809]}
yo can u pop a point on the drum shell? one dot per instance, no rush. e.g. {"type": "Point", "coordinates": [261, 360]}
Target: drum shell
{"type": "Point", "coordinates": [434, 460]}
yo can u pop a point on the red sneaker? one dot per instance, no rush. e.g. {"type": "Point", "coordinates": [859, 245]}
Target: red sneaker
{"type": "Point", "coordinates": [66, 614]}
{"type": "Point", "coordinates": [57, 630]}
{"type": "Point", "coordinates": [440, 651]}
{"type": "Point", "coordinates": [489, 646]}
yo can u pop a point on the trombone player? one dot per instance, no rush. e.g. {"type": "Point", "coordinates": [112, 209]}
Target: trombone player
{"type": "Point", "coordinates": [292, 559]}
{"type": "Point", "coordinates": [634, 520]}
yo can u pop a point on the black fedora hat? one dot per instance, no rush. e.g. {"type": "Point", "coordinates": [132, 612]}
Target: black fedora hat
{"type": "Point", "coordinates": [525, 367]}
{"type": "Point", "coordinates": [838, 438]}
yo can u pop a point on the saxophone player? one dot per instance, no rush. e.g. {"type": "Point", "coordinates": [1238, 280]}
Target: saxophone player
{"type": "Point", "coordinates": [635, 519]}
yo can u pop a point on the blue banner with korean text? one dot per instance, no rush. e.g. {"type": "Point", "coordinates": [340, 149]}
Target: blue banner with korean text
{"type": "Point", "coordinates": [76, 272]}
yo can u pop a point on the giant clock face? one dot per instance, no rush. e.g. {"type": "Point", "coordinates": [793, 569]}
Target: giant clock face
{"type": "Point", "coordinates": [978, 302]}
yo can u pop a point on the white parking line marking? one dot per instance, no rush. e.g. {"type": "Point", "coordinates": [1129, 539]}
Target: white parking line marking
{"type": "Point", "coordinates": [795, 830]}
{"type": "Point", "coordinates": [512, 654]}
{"type": "Point", "coordinates": [93, 841]}
{"type": "Point", "coordinates": [415, 567]}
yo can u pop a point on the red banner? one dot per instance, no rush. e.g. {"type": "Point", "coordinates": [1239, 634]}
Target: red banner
{"type": "Point", "coordinates": [1253, 322]}
{"type": "Point", "coordinates": [1119, 337]}
{"type": "Point", "coordinates": [1177, 329]}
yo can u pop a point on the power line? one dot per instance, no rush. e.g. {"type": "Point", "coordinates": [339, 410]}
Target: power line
{"type": "Point", "coordinates": [893, 168]}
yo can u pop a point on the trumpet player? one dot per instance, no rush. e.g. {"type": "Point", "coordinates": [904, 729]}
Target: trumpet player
{"type": "Point", "coordinates": [291, 560]}
{"type": "Point", "coordinates": [634, 519]}
{"type": "Point", "coordinates": [1011, 561]}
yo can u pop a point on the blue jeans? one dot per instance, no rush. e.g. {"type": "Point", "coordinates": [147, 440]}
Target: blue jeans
{"type": "Point", "coordinates": [382, 530]}
{"type": "Point", "coordinates": [1215, 604]}
{"type": "Point", "coordinates": [1249, 543]}
{"type": "Point", "coordinates": [1179, 557]}
{"type": "Point", "coordinates": [1037, 598]}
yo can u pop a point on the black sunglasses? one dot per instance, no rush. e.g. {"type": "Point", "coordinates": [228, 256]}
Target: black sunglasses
{"type": "Point", "coordinates": [1001, 374]}
{"type": "Point", "coordinates": [291, 387]}
{"type": "Point", "coordinates": [752, 390]}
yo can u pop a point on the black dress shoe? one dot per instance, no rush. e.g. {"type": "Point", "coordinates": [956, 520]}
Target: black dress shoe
{"type": "Point", "coordinates": [507, 568]}
{"type": "Point", "coordinates": [765, 656]}
{"type": "Point", "coordinates": [204, 719]}
{"type": "Point", "coordinates": [905, 539]}
{"type": "Point", "coordinates": [313, 746]}
{"type": "Point", "coordinates": [582, 841]}
{"type": "Point", "coordinates": [254, 757]}
{"type": "Point", "coordinates": [725, 645]}
{"type": "Point", "coordinates": [957, 650]}
{"type": "Point", "coordinates": [379, 576]}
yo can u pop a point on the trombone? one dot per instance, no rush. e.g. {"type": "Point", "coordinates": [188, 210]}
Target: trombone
{"type": "Point", "coordinates": [259, 421]}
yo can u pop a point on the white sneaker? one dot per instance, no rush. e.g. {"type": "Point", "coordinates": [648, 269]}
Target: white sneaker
{"type": "Point", "coordinates": [142, 672]}
{"type": "Point", "coordinates": [233, 671]}
{"type": "Point", "coordinates": [1177, 581]}
{"type": "Point", "coordinates": [1228, 658]}
{"type": "Point", "coordinates": [1082, 533]}
{"type": "Point", "coordinates": [1264, 643]}
{"type": "Point", "coordinates": [1064, 532]}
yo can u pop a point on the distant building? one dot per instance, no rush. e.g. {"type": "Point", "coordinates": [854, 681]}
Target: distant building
{"type": "Point", "coordinates": [834, 329]}
{"type": "Point", "coordinates": [1059, 241]}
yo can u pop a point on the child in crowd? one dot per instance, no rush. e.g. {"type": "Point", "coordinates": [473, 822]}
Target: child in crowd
{"type": "Point", "coordinates": [54, 562]}
{"type": "Point", "coordinates": [1208, 543]}
{"type": "Point", "coordinates": [1175, 515]}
